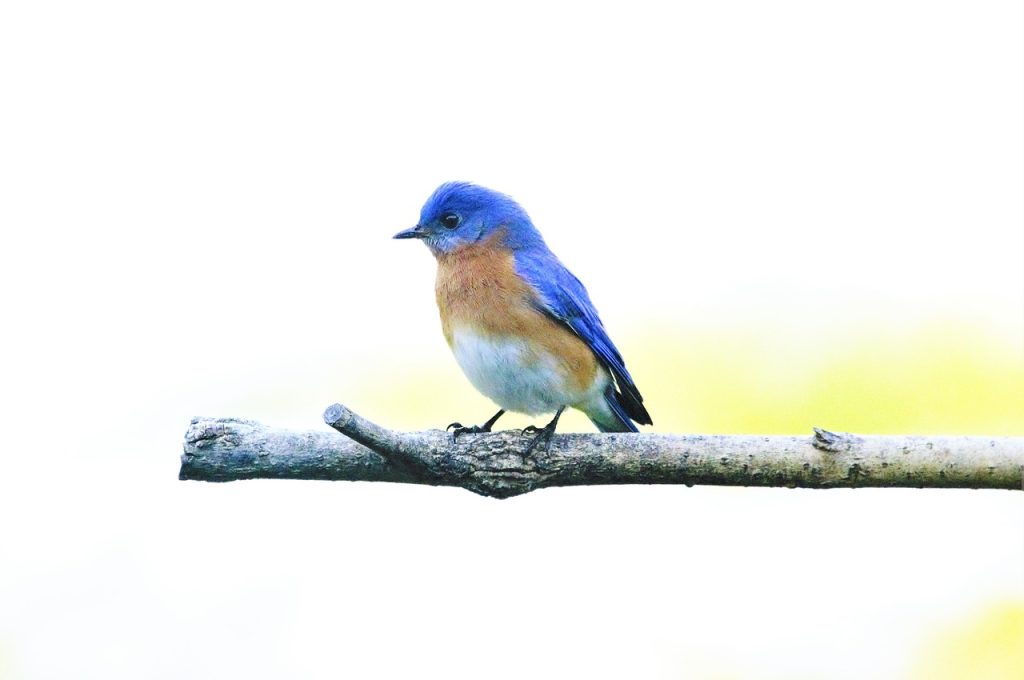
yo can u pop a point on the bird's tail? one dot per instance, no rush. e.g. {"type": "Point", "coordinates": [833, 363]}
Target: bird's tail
{"type": "Point", "coordinates": [608, 414]}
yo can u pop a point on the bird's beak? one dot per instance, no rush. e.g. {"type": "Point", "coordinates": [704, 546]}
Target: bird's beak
{"type": "Point", "coordinates": [415, 232]}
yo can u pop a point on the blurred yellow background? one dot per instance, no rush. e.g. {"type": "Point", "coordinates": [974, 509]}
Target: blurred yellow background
{"type": "Point", "coordinates": [937, 377]}
{"type": "Point", "coordinates": [989, 645]}
{"type": "Point", "coordinates": [789, 215]}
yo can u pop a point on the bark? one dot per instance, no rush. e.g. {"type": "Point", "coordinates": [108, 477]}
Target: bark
{"type": "Point", "coordinates": [493, 464]}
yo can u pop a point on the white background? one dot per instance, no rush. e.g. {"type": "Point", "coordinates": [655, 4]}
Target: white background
{"type": "Point", "coordinates": [196, 201]}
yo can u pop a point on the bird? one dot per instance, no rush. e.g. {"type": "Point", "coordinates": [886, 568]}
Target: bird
{"type": "Point", "coordinates": [520, 324]}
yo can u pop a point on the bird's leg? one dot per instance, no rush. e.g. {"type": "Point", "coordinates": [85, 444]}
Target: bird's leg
{"type": "Point", "coordinates": [459, 428]}
{"type": "Point", "coordinates": [543, 433]}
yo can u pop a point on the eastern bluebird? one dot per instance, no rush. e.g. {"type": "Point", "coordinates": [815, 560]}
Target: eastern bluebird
{"type": "Point", "coordinates": [521, 326]}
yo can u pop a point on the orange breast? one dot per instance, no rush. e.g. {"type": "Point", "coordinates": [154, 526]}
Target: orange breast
{"type": "Point", "coordinates": [477, 288]}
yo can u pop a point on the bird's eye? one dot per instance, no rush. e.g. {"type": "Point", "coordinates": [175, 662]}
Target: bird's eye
{"type": "Point", "coordinates": [450, 220]}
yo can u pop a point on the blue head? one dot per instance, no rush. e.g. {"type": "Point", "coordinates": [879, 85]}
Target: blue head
{"type": "Point", "coordinates": [460, 213]}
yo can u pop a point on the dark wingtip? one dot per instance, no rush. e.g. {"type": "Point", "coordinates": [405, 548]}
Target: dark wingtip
{"type": "Point", "coordinates": [623, 415]}
{"type": "Point", "coordinates": [633, 404]}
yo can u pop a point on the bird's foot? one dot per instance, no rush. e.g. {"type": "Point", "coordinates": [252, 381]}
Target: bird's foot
{"type": "Point", "coordinates": [459, 428]}
{"type": "Point", "coordinates": [542, 434]}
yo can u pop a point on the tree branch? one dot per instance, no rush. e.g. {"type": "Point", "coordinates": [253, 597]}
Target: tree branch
{"type": "Point", "coordinates": [492, 464]}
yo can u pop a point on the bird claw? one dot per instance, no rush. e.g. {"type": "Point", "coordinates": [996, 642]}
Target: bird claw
{"type": "Point", "coordinates": [544, 433]}
{"type": "Point", "coordinates": [459, 428]}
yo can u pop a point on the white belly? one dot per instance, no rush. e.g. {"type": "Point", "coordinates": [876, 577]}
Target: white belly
{"type": "Point", "coordinates": [515, 377]}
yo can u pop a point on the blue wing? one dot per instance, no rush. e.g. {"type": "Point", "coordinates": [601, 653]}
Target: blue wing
{"type": "Point", "coordinates": [563, 297]}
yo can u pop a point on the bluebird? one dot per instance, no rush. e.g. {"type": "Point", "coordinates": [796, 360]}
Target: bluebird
{"type": "Point", "coordinates": [521, 326]}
